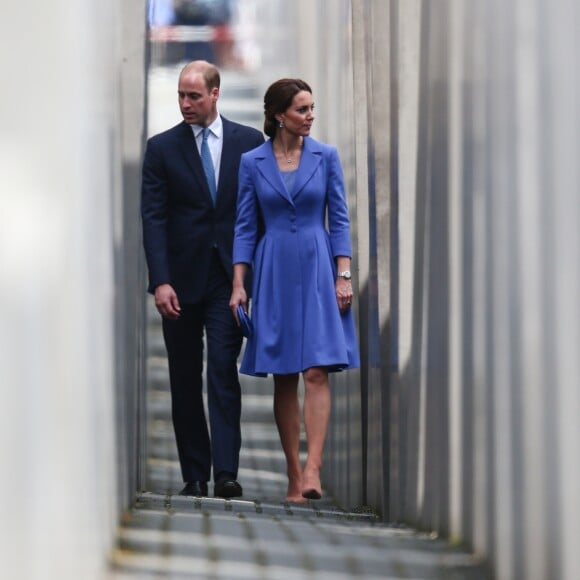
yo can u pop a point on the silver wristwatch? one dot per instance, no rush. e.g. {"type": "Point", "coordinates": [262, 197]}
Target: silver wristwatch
{"type": "Point", "coordinates": [346, 275]}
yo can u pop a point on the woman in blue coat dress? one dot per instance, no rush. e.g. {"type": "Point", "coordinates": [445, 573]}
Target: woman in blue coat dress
{"type": "Point", "coordinates": [292, 225]}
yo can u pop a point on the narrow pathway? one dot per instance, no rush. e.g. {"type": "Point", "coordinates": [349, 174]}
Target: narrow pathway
{"type": "Point", "coordinates": [258, 537]}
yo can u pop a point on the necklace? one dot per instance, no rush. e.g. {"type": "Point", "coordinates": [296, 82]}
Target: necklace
{"type": "Point", "coordinates": [288, 156]}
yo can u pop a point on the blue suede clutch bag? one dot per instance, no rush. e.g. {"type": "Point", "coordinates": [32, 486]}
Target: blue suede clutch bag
{"type": "Point", "coordinates": [246, 325]}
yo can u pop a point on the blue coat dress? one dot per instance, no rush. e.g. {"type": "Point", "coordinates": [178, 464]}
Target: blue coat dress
{"type": "Point", "coordinates": [297, 322]}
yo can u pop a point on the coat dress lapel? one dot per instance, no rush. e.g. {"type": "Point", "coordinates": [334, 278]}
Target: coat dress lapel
{"type": "Point", "coordinates": [268, 168]}
{"type": "Point", "coordinates": [309, 162]}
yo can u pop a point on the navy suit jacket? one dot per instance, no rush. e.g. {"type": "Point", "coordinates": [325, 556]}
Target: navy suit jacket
{"type": "Point", "coordinates": [181, 226]}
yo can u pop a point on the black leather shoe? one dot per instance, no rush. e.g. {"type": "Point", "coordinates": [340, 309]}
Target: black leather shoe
{"type": "Point", "coordinates": [195, 488]}
{"type": "Point", "coordinates": [226, 486]}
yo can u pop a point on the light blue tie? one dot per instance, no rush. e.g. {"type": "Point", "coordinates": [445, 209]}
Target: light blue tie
{"type": "Point", "coordinates": [207, 163]}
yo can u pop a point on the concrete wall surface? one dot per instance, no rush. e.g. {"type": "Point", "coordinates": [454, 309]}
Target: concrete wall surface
{"type": "Point", "coordinates": [467, 195]}
{"type": "Point", "coordinates": [71, 129]}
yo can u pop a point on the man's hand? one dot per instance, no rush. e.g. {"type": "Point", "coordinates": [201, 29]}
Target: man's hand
{"type": "Point", "coordinates": [166, 301]}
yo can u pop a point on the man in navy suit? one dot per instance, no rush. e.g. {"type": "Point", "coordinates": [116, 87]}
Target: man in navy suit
{"type": "Point", "coordinates": [188, 222]}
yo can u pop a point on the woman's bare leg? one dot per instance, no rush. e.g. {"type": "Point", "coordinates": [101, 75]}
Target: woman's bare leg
{"type": "Point", "coordinates": [316, 417]}
{"type": "Point", "coordinates": [287, 415]}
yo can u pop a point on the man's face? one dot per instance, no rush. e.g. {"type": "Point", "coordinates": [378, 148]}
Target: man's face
{"type": "Point", "coordinates": [197, 104]}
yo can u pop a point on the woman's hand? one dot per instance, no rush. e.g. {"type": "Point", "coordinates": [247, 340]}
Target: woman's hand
{"type": "Point", "coordinates": [343, 294]}
{"type": "Point", "coordinates": [238, 297]}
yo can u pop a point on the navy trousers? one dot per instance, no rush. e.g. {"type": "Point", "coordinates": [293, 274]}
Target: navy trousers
{"type": "Point", "coordinates": [201, 449]}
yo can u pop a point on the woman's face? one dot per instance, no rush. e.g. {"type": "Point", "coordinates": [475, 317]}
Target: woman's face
{"type": "Point", "coordinates": [299, 116]}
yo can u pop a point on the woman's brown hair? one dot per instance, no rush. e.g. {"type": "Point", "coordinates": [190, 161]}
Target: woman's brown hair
{"type": "Point", "coordinates": [278, 98]}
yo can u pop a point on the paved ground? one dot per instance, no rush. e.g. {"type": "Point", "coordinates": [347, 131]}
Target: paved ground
{"type": "Point", "coordinates": [259, 537]}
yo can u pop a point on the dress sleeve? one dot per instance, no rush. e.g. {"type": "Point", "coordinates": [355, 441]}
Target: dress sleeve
{"type": "Point", "coordinates": [246, 228]}
{"type": "Point", "coordinates": [338, 220]}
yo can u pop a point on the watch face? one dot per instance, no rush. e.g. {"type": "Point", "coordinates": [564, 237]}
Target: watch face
{"type": "Point", "coordinates": [345, 274]}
